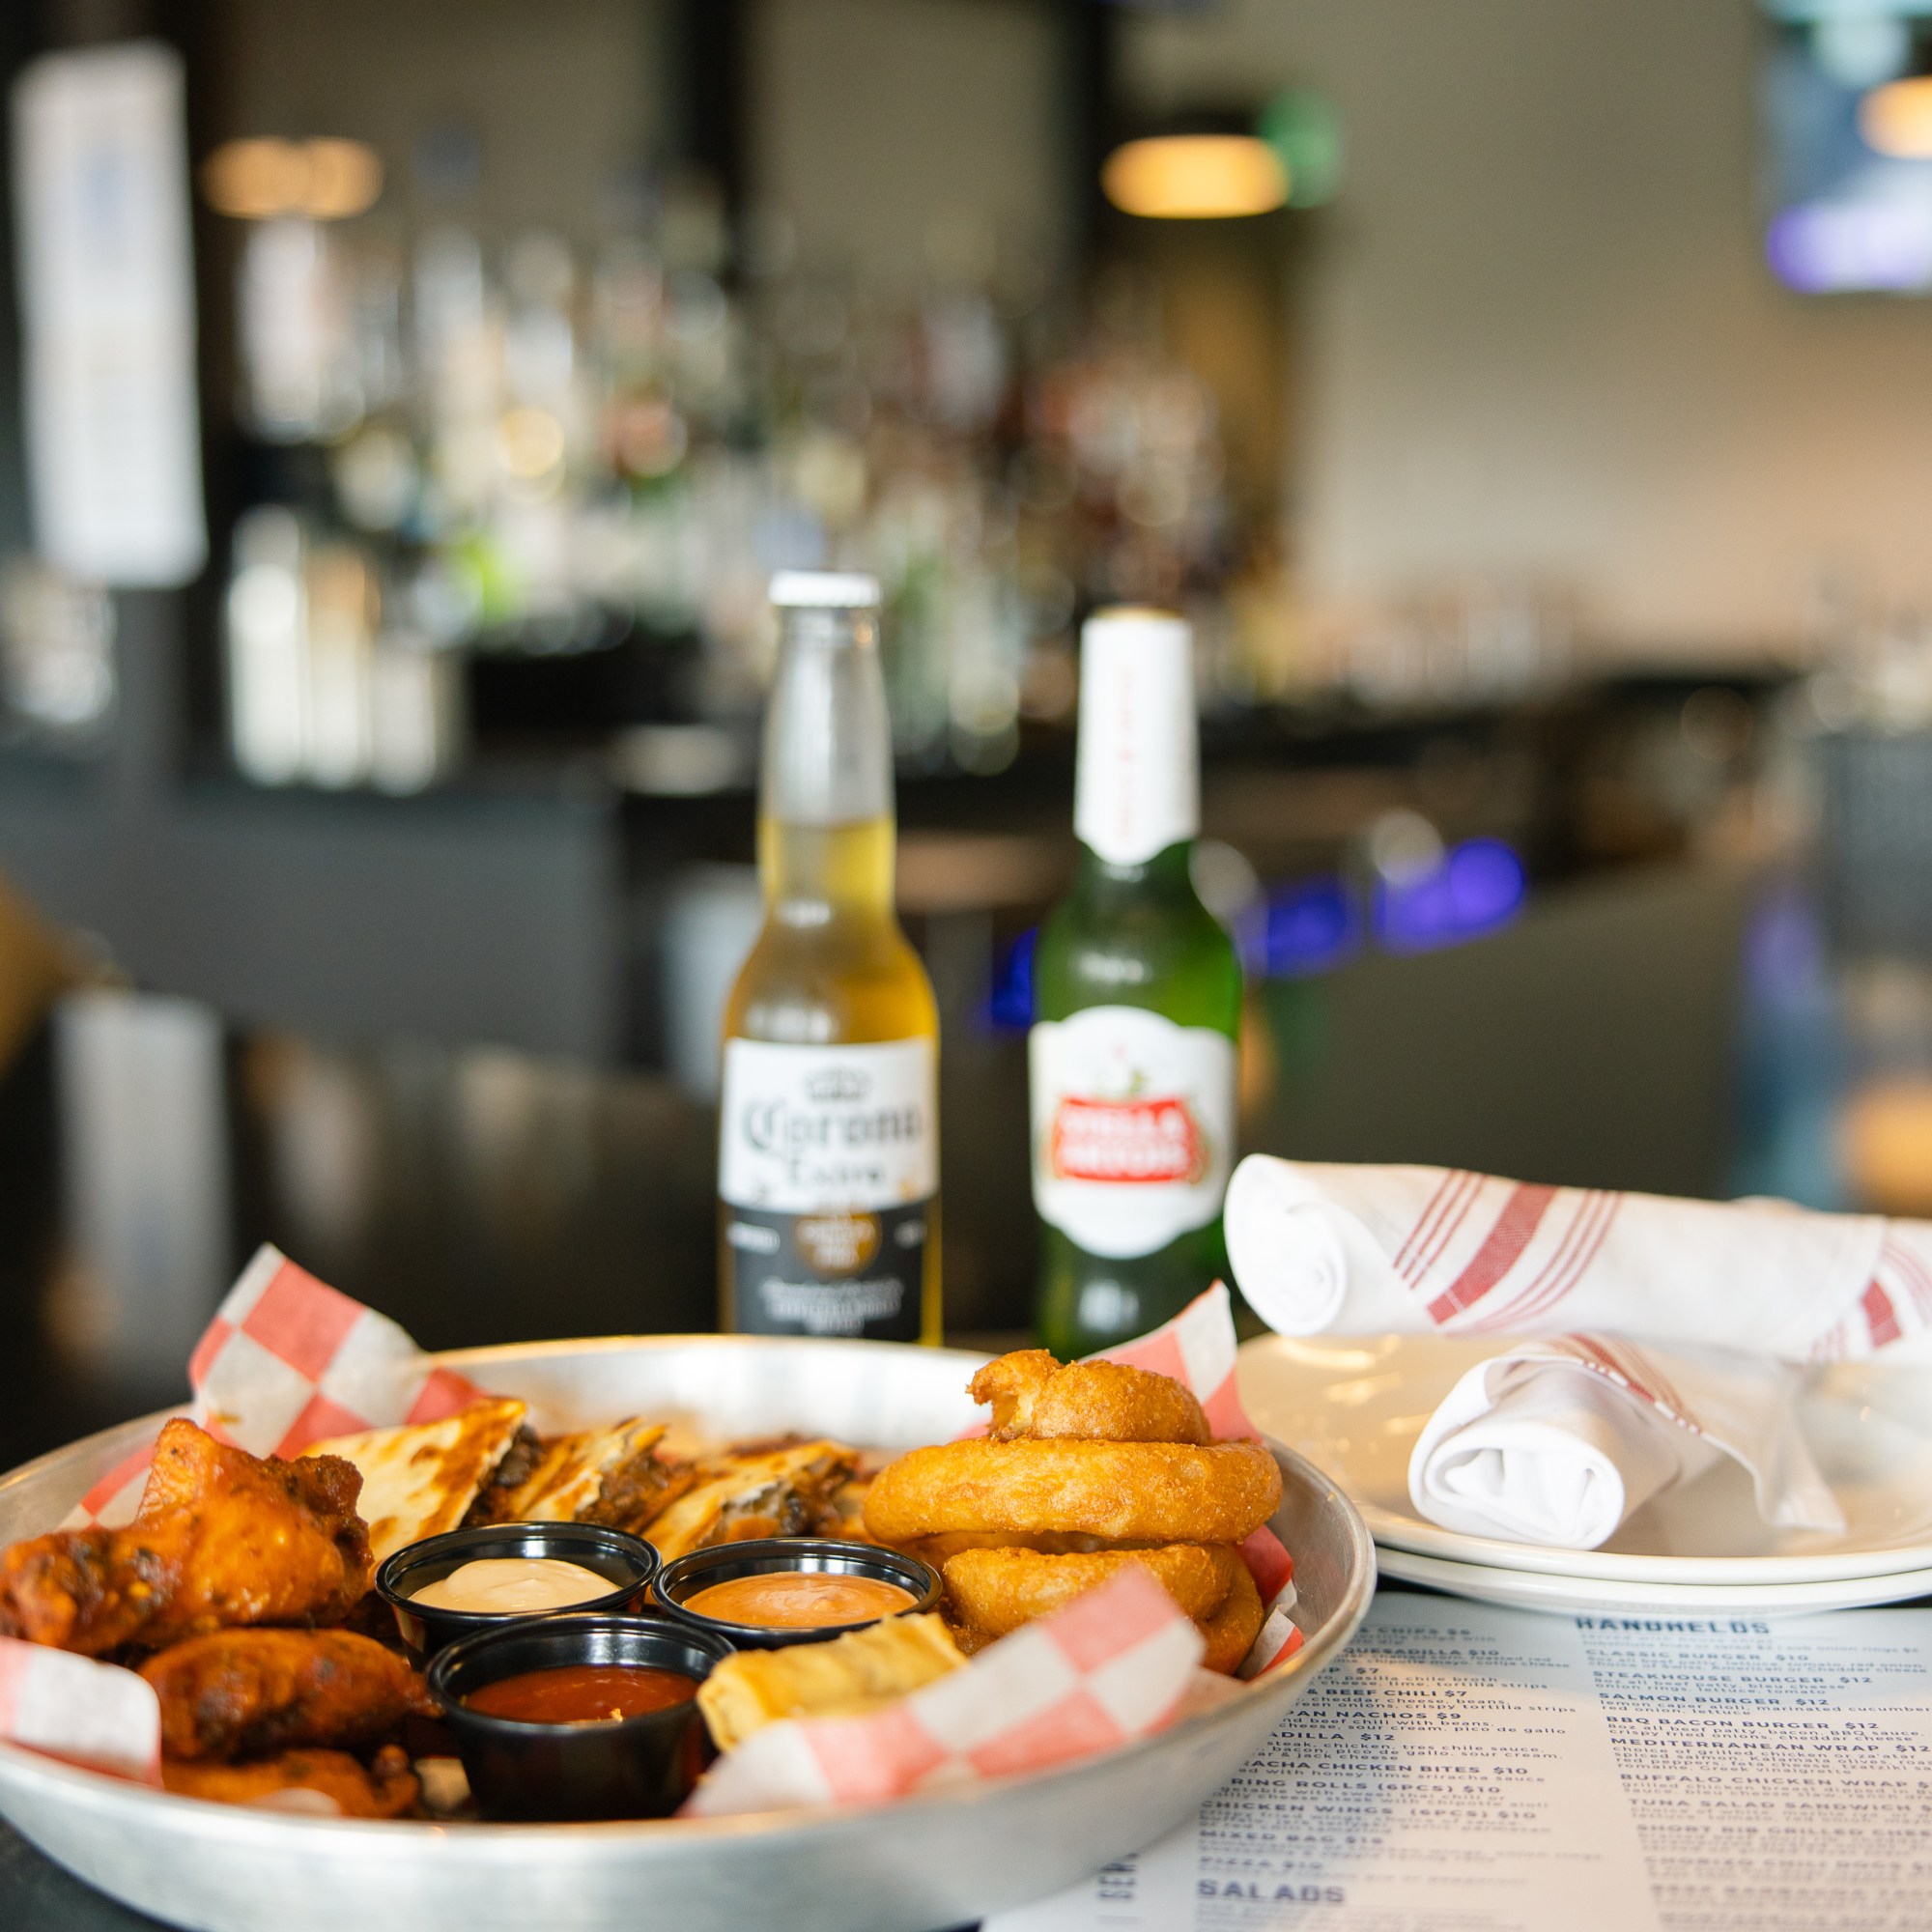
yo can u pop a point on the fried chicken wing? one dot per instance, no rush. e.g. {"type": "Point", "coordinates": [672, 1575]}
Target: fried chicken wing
{"type": "Point", "coordinates": [221, 1538]}
{"type": "Point", "coordinates": [251, 1692]}
{"type": "Point", "coordinates": [327, 1782]}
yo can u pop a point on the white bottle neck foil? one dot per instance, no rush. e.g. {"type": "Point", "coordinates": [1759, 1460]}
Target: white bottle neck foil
{"type": "Point", "coordinates": [1137, 782]}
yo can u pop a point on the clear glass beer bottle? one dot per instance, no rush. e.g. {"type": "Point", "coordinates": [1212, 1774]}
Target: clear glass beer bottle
{"type": "Point", "coordinates": [828, 1133]}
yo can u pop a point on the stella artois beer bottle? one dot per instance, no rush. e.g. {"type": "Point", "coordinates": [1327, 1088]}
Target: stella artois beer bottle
{"type": "Point", "coordinates": [828, 1170]}
{"type": "Point", "coordinates": [1137, 1001]}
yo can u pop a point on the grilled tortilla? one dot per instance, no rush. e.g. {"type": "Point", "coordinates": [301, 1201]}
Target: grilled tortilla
{"type": "Point", "coordinates": [419, 1478]}
{"type": "Point", "coordinates": [594, 1475]}
{"type": "Point", "coordinates": [781, 1492]}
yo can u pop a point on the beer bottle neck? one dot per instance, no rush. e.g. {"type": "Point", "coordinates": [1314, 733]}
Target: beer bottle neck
{"type": "Point", "coordinates": [825, 807]}
{"type": "Point", "coordinates": [1167, 873]}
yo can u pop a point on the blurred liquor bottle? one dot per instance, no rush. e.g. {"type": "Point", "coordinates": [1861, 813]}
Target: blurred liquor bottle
{"type": "Point", "coordinates": [1138, 1003]}
{"type": "Point", "coordinates": [828, 1167]}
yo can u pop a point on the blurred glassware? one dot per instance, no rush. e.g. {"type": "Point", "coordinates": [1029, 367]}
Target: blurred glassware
{"type": "Point", "coordinates": [1463, 642]}
{"type": "Point", "coordinates": [328, 681]}
{"type": "Point", "coordinates": [539, 447]}
{"type": "Point", "coordinates": [57, 674]}
{"type": "Point", "coordinates": [266, 633]}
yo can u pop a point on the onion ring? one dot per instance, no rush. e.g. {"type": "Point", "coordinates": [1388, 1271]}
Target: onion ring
{"type": "Point", "coordinates": [1033, 1396]}
{"type": "Point", "coordinates": [998, 1590]}
{"type": "Point", "coordinates": [939, 1549]}
{"type": "Point", "coordinates": [1232, 1630]}
{"type": "Point", "coordinates": [1159, 1491]}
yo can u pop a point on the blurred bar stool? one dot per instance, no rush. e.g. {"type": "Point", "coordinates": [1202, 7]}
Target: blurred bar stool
{"type": "Point", "coordinates": [140, 1115]}
{"type": "Point", "coordinates": [147, 1225]}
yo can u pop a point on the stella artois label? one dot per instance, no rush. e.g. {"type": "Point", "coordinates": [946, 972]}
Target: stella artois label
{"type": "Point", "coordinates": [1133, 1127]}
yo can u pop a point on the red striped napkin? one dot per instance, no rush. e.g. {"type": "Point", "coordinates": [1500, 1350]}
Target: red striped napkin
{"type": "Point", "coordinates": [1320, 1249]}
{"type": "Point", "coordinates": [1638, 1337]}
{"type": "Point", "coordinates": [1559, 1441]}
{"type": "Point", "coordinates": [1114, 1665]}
{"type": "Point", "coordinates": [288, 1361]}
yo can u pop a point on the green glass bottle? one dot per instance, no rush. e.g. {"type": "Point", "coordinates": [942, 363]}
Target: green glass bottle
{"type": "Point", "coordinates": [1137, 1005]}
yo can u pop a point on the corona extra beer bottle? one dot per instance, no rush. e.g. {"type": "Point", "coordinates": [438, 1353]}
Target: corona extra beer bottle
{"type": "Point", "coordinates": [827, 1171]}
{"type": "Point", "coordinates": [1137, 1010]}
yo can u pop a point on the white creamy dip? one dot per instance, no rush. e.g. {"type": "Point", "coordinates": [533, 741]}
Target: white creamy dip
{"type": "Point", "coordinates": [514, 1584]}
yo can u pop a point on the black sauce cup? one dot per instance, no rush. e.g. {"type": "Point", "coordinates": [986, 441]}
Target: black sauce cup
{"type": "Point", "coordinates": [629, 1562]}
{"type": "Point", "coordinates": [641, 1766]}
{"type": "Point", "coordinates": [684, 1576]}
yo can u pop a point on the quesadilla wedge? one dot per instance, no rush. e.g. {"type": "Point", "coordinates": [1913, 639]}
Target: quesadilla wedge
{"type": "Point", "coordinates": [610, 1476]}
{"type": "Point", "coordinates": [419, 1478]}
{"type": "Point", "coordinates": [785, 1491]}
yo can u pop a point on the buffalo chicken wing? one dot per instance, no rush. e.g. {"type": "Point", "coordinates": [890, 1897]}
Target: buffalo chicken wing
{"type": "Point", "coordinates": [221, 1538]}
{"type": "Point", "coordinates": [330, 1783]}
{"type": "Point", "coordinates": [251, 1692]}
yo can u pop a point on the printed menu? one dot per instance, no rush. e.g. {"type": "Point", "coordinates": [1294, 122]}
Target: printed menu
{"type": "Point", "coordinates": [1467, 1766]}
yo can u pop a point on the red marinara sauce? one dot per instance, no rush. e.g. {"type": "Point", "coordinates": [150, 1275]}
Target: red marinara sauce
{"type": "Point", "coordinates": [582, 1694]}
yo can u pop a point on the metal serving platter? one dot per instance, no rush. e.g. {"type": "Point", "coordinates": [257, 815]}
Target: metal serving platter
{"type": "Point", "coordinates": [940, 1859]}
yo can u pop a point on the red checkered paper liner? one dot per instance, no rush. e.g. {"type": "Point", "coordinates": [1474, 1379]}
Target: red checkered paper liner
{"type": "Point", "coordinates": [71, 1706]}
{"type": "Point", "coordinates": [289, 1361]}
{"type": "Point", "coordinates": [1374, 1250]}
{"type": "Point", "coordinates": [1114, 1665]}
{"type": "Point", "coordinates": [1198, 1349]}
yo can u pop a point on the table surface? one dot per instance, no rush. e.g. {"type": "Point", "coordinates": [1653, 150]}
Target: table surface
{"type": "Point", "coordinates": [35, 1893]}
{"type": "Point", "coordinates": [474, 1197]}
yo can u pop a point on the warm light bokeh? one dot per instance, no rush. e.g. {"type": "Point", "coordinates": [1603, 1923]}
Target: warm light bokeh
{"type": "Point", "coordinates": [1195, 176]}
{"type": "Point", "coordinates": [260, 180]}
{"type": "Point", "coordinates": [1888, 1146]}
{"type": "Point", "coordinates": [1896, 119]}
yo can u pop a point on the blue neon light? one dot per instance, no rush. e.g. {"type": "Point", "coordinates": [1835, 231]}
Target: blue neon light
{"type": "Point", "coordinates": [1009, 1004]}
{"type": "Point", "coordinates": [1313, 926]}
{"type": "Point", "coordinates": [1479, 886]}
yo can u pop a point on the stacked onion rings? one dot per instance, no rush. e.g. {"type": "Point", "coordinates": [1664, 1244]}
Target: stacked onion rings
{"type": "Point", "coordinates": [1086, 1469]}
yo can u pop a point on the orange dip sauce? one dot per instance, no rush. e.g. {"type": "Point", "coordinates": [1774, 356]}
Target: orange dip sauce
{"type": "Point", "coordinates": [800, 1600]}
{"type": "Point", "coordinates": [582, 1694]}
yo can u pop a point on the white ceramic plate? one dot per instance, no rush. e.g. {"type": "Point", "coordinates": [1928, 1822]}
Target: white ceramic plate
{"type": "Point", "coordinates": [1356, 1407]}
{"type": "Point", "coordinates": [1532, 1590]}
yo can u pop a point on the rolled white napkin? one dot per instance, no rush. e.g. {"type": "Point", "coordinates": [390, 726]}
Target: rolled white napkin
{"type": "Point", "coordinates": [1414, 1250]}
{"type": "Point", "coordinates": [1558, 1442]}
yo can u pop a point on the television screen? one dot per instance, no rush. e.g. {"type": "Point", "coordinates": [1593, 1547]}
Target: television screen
{"type": "Point", "coordinates": [1847, 105]}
